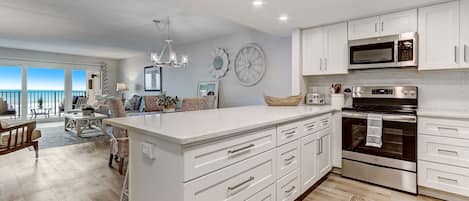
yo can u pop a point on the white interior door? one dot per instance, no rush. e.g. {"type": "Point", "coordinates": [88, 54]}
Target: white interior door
{"type": "Point", "coordinates": [396, 23]}
{"type": "Point", "coordinates": [439, 36]}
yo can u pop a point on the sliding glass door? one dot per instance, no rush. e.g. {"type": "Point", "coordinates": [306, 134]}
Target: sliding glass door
{"type": "Point", "coordinates": [10, 92]}
{"type": "Point", "coordinates": [38, 92]}
{"type": "Point", "coordinates": [45, 87]}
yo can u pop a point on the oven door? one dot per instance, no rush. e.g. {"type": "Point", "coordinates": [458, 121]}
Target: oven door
{"type": "Point", "coordinates": [399, 136]}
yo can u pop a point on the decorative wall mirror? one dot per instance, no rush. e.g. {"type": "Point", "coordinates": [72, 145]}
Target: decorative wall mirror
{"type": "Point", "coordinates": [220, 63]}
{"type": "Point", "coordinates": [153, 79]}
{"type": "Point", "coordinates": [208, 88]}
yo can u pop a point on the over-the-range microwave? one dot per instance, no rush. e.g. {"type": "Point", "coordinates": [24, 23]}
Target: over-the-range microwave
{"type": "Point", "coordinates": [384, 52]}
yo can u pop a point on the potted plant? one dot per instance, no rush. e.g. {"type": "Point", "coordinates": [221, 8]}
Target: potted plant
{"type": "Point", "coordinates": [167, 102]}
{"type": "Point", "coordinates": [40, 103]}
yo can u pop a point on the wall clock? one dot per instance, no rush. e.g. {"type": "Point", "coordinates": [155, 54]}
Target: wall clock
{"type": "Point", "coordinates": [220, 63]}
{"type": "Point", "coordinates": [249, 64]}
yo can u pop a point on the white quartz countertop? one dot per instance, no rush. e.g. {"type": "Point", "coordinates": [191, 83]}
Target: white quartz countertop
{"type": "Point", "coordinates": [196, 126]}
{"type": "Point", "coordinates": [444, 113]}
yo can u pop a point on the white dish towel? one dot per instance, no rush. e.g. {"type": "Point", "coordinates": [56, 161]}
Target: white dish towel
{"type": "Point", "coordinates": [374, 133]}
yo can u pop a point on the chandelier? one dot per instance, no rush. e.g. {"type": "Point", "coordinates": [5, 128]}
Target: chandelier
{"type": "Point", "coordinates": [167, 51]}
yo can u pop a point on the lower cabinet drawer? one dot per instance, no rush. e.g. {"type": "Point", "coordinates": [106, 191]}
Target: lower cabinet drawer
{"type": "Point", "coordinates": [444, 177]}
{"type": "Point", "coordinates": [268, 194]}
{"type": "Point", "coordinates": [206, 158]}
{"type": "Point", "coordinates": [288, 156]}
{"type": "Point", "coordinates": [451, 151]}
{"type": "Point", "coordinates": [288, 188]}
{"type": "Point", "coordinates": [236, 182]}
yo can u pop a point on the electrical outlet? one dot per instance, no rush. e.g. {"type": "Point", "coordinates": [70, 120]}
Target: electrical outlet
{"type": "Point", "coordinates": [148, 151]}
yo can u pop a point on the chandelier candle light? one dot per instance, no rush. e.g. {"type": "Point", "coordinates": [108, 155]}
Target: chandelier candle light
{"type": "Point", "coordinates": [172, 61]}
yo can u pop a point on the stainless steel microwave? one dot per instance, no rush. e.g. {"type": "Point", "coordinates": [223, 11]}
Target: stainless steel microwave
{"type": "Point", "coordinates": [384, 52]}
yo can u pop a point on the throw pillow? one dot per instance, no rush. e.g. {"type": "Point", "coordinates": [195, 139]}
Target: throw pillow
{"type": "Point", "coordinates": [3, 124]}
{"type": "Point", "coordinates": [151, 104]}
{"type": "Point", "coordinates": [133, 104]}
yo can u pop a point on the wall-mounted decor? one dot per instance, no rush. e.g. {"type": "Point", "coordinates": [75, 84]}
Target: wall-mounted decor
{"type": "Point", "coordinates": [220, 64]}
{"type": "Point", "coordinates": [249, 64]}
{"type": "Point", "coordinates": [153, 79]}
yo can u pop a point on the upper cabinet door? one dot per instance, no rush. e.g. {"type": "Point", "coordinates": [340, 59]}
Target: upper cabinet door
{"type": "Point", "coordinates": [464, 36]}
{"type": "Point", "coordinates": [336, 49]}
{"type": "Point", "coordinates": [439, 36]}
{"type": "Point", "coordinates": [312, 51]}
{"type": "Point", "coordinates": [396, 23]}
{"type": "Point", "coordinates": [363, 28]}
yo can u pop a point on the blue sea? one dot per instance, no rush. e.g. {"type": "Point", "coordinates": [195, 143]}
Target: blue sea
{"type": "Point", "coordinates": [51, 98]}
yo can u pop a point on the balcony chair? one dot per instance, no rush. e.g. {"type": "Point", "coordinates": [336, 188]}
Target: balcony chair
{"type": "Point", "coordinates": [19, 135]}
{"type": "Point", "coordinates": [5, 110]}
{"type": "Point", "coordinates": [77, 102]}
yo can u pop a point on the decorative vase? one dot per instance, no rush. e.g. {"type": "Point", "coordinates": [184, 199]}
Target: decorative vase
{"type": "Point", "coordinates": [169, 108]}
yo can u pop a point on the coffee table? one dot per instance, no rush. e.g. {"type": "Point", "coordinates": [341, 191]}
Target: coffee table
{"type": "Point", "coordinates": [77, 123]}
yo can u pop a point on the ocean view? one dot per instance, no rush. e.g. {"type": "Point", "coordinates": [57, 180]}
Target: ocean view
{"type": "Point", "coordinates": [52, 99]}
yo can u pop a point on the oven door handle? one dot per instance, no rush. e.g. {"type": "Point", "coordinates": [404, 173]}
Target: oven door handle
{"type": "Point", "coordinates": [386, 117]}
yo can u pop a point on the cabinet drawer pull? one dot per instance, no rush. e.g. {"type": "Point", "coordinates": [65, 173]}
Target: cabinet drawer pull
{"type": "Point", "coordinates": [230, 188]}
{"type": "Point", "coordinates": [241, 149]}
{"type": "Point", "coordinates": [290, 133]}
{"type": "Point", "coordinates": [448, 151]}
{"type": "Point", "coordinates": [447, 179]}
{"type": "Point", "coordinates": [447, 128]}
{"type": "Point", "coordinates": [289, 159]}
{"type": "Point", "coordinates": [290, 190]}
{"type": "Point", "coordinates": [310, 125]}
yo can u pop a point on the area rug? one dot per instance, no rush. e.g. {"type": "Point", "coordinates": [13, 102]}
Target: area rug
{"type": "Point", "coordinates": [54, 135]}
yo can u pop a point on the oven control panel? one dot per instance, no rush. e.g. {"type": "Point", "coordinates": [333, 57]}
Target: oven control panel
{"type": "Point", "coordinates": [404, 92]}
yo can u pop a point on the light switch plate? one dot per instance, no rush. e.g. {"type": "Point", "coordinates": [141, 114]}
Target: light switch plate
{"type": "Point", "coordinates": [148, 151]}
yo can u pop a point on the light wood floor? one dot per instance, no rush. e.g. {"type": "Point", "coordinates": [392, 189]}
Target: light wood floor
{"type": "Point", "coordinates": [70, 173]}
{"type": "Point", "coordinates": [80, 173]}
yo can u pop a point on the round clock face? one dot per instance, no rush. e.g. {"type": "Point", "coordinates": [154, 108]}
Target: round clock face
{"type": "Point", "coordinates": [249, 65]}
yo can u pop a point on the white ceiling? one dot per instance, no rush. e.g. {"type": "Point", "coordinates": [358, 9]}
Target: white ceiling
{"type": "Point", "coordinates": [123, 28]}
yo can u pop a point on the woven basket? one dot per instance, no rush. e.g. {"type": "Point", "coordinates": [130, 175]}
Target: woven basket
{"type": "Point", "coordinates": [283, 101]}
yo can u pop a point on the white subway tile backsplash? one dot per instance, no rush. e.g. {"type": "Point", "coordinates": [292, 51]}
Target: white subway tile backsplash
{"type": "Point", "coordinates": [437, 89]}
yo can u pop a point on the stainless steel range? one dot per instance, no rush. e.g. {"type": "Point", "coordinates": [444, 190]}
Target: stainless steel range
{"type": "Point", "coordinates": [379, 137]}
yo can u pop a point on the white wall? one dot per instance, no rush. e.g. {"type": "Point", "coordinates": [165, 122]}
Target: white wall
{"type": "Point", "coordinates": [437, 89]}
{"type": "Point", "coordinates": [183, 82]}
{"type": "Point", "coordinates": [8, 56]}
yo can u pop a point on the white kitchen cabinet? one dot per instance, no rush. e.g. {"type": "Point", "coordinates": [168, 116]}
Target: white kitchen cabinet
{"type": "Point", "coordinates": [324, 153]}
{"type": "Point", "coordinates": [390, 24]}
{"type": "Point", "coordinates": [396, 23]}
{"type": "Point", "coordinates": [324, 50]}
{"type": "Point", "coordinates": [312, 51]}
{"type": "Point", "coordinates": [438, 28]}
{"type": "Point", "coordinates": [309, 173]}
{"type": "Point", "coordinates": [336, 49]}
{"type": "Point", "coordinates": [363, 28]}
{"type": "Point", "coordinates": [336, 144]}
{"type": "Point", "coordinates": [464, 36]}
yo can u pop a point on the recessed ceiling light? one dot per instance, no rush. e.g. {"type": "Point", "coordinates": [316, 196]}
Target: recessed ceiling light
{"type": "Point", "coordinates": [283, 18]}
{"type": "Point", "coordinates": [258, 3]}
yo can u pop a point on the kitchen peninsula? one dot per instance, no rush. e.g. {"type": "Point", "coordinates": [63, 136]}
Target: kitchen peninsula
{"type": "Point", "coordinates": [241, 153]}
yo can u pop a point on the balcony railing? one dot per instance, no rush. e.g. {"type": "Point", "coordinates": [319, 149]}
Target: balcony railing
{"type": "Point", "coordinates": [51, 101]}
